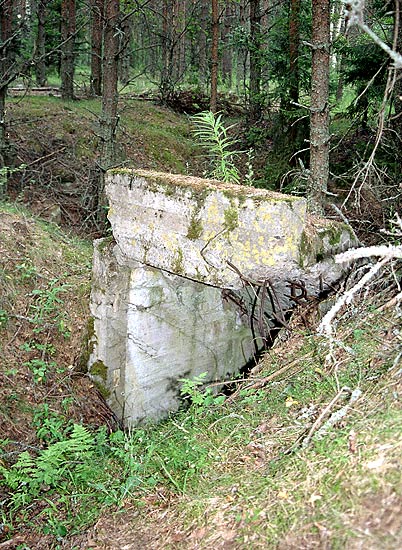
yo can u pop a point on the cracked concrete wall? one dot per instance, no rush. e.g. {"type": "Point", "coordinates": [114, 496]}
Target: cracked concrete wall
{"type": "Point", "coordinates": [153, 328]}
{"type": "Point", "coordinates": [173, 296]}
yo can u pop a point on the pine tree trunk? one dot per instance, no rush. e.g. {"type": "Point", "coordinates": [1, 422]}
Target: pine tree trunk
{"type": "Point", "coordinates": [398, 84]}
{"type": "Point", "coordinates": [96, 46]}
{"type": "Point", "coordinates": [255, 100]}
{"type": "Point", "coordinates": [110, 97]}
{"type": "Point", "coordinates": [40, 45]}
{"type": "Point", "coordinates": [214, 56]}
{"type": "Point", "coordinates": [227, 58]}
{"type": "Point", "coordinates": [319, 109]}
{"type": "Point", "coordinates": [203, 52]}
{"type": "Point", "coordinates": [166, 86]}
{"type": "Point", "coordinates": [5, 35]}
{"type": "Point", "coordinates": [67, 52]}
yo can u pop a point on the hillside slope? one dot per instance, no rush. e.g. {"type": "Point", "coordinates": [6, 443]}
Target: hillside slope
{"type": "Point", "coordinates": [253, 472]}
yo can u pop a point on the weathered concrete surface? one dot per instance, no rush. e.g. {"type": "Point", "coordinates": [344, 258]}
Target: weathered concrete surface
{"type": "Point", "coordinates": [152, 328]}
{"type": "Point", "coordinates": [197, 228]}
{"type": "Point", "coordinates": [177, 294]}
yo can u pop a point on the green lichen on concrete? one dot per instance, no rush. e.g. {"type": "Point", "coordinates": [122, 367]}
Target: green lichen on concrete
{"type": "Point", "coordinates": [177, 264]}
{"type": "Point", "coordinates": [195, 228]}
{"type": "Point", "coordinates": [231, 216]}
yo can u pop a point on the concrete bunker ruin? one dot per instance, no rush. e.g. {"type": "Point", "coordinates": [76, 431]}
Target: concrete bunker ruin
{"type": "Point", "coordinates": [196, 276]}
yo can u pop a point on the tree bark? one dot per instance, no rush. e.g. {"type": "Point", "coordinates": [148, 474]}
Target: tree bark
{"type": "Point", "coordinates": [214, 56]}
{"type": "Point", "coordinates": [166, 86]}
{"type": "Point", "coordinates": [319, 109]}
{"type": "Point", "coordinates": [227, 55]}
{"type": "Point", "coordinates": [203, 52]}
{"type": "Point", "coordinates": [110, 97]}
{"type": "Point", "coordinates": [255, 100]}
{"type": "Point", "coordinates": [40, 45]}
{"type": "Point", "coordinates": [67, 65]}
{"type": "Point", "coordinates": [5, 36]}
{"type": "Point", "coordinates": [398, 84]}
{"type": "Point", "coordinates": [96, 46]}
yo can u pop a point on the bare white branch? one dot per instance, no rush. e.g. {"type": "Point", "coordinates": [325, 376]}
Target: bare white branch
{"type": "Point", "coordinates": [354, 15]}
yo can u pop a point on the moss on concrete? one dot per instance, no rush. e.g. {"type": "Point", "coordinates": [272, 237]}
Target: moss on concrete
{"type": "Point", "coordinates": [200, 186]}
{"type": "Point", "coordinates": [195, 228]}
{"type": "Point", "coordinates": [99, 369]}
{"type": "Point", "coordinates": [231, 216]}
{"type": "Point", "coordinates": [177, 264]}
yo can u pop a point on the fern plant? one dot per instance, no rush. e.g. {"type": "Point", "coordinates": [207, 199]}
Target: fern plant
{"type": "Point", "coordinates": [212, 134]}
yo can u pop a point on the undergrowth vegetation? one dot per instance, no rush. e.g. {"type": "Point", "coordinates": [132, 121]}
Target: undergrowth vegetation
{"type": "Point", "coordinates": [252, 470]}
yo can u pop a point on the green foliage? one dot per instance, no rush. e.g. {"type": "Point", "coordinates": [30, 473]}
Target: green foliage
{"type": "Point", "coordinates": [26, 270]}
{"type": "Point", "coordinates": [3, 318]}
{"type": "Point", "coordinates": [47, 307]}
{"type": "Point", "coordinates": [199, 398]}
{"type": "Point", "coordinates": [39, 368]}
{"type": "Point", "coordinates": [50, 426]}
{"type": "Point", "coordinates": [212, 134]}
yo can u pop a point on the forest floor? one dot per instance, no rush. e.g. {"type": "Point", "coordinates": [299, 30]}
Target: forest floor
{"type": "Point", "coordinates": [253, 472]}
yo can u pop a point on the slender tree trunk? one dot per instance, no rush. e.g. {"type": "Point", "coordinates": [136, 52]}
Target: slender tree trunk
{"type": "Point", "coordinates": [214, 56]}
{"type": "Point", "coordinates": [166, 87]}
{"type": "Point", "coordinates": [110, 97]}
{"type": "Point", "coordinates": [180, 63]}
{"type": "Point", "coordinates": [40, 45]}
{"type": "Point", "coordinates": [319, 110]}
{"type": "Point", "coordinates": [398, 84]}
{"type": "Point", "coordinates": [96, 46]}
{"type": "Point", "coordinates": [203, 52]}
{"type": "Point", "coordinates": [5, 36]}
{"type": "Point", "coordinates": [227, 55]}
{"type": "Point", "coordinates": [67, 52]}
{"type": "Point", "coordinates": [255, 100]}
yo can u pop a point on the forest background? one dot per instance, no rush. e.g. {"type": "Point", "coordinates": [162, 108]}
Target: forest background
{"type": "Point", "coordinates": [317, 103]}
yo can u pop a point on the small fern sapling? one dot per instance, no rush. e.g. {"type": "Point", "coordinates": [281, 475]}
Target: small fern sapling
{"type": "Point", "coordinates": [212, 134]}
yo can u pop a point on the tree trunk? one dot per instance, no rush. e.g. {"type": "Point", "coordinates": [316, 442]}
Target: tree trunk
{"type": "Point", "coordinates": [40, 45]}
{"type": "Point", "coordinates": [214, 56]}
{"type": "Point", "coordinates": [96, 46]}
{"type": "Point", "coordinates": [319, 110]}
{"type": "Point", "coordinates": [166, 86]}
{"type": "Point", "coordinates": [5, 35]}
{"type": "Point", "coordinates": [110, 97]}
{"type": "Point", "coordinates": [398, 84]}
{"type": "Point", "coordinates": [227, 57]}
{"type": "Point", "coordinates": [203, 51]}
{"type": "Point", "coordinates": [67, 50]}
{"type": "Point", "coordinates": [255, 100]}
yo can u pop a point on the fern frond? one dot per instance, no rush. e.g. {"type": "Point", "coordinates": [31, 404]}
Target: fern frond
{"type": "Point", "coordinates": [212, 134]}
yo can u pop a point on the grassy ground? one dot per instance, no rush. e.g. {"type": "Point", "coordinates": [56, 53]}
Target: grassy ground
{"type": "Point", "coordinates": [253, 472]}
